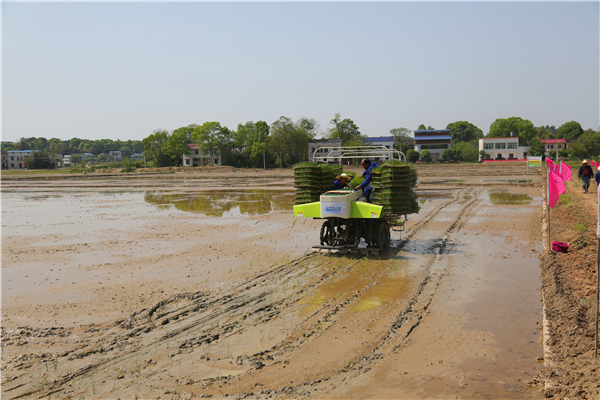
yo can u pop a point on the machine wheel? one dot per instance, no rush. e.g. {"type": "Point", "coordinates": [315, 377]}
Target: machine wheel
{"type": "Point", "coordinates": [383, 237]}
{"type": "Point", "coordinates": [327, 234]}
{"type": "Point", "coordinates": [355, 233]}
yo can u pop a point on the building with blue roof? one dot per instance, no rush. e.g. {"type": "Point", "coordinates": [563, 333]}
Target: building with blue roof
{"type": "Point", "coordinates": [435, 140]}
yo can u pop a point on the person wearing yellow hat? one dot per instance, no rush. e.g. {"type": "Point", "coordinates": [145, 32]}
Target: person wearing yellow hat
{"type": "Point", "coordinates": [341, 182]}
{"type": "Point", "coordinates": [585, 174]}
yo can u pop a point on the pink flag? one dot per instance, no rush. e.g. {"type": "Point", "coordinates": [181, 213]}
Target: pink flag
{"type": "Point", "coordinates": [556, 187]}
{"type": "Point", "coordinates": [598, 231]}
{"type": "Point", "coordinates": [560, 182]}
{"type": "Point", "coordinates": [550, 163]}
{"type": "Point", "coordinates": [565, 171]}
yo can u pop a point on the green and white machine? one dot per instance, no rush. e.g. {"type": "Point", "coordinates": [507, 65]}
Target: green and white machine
{"type": "Point", "coordinates": [347, 221]}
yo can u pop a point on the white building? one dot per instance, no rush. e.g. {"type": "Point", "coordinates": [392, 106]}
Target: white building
{"type": "Point", "coordinates": [16, 158]}
{"type": "Point", "coordinates": [387, 141]}
{"type": "Point", "coordinates": [115, 155]}
{"type": "Point", "coordinates": [321, 148]}
{"type": "Point", "coordinates": [434, 140]}
{"type": "Point", "coordinates": [503, 148]}
{"type": "Point", "coordinates": [380, 156]}
{"type": "Point", "coordinates": [199, 158]}
{"type": "Point", "coordinates": [137, 157]}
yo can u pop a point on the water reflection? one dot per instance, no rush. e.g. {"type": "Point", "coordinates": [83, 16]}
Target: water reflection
{"type": "Point", "coordinates": [218, 203]}
{"type": "Point", "coordinates": [507, 198]}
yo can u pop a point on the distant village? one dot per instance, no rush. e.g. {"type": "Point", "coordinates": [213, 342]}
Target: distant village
{"type": "Point", "coordinates": [285, 142]}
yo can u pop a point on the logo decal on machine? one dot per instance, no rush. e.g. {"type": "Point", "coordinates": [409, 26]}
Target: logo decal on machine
{"type": "Point", "coordinates": [373, 215]}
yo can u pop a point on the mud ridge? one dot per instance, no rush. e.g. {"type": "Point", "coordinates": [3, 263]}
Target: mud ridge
{"type": "Point", "coordinates": [570, 340]}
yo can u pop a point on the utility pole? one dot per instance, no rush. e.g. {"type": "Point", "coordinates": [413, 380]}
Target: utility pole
{"type": "Point", "coordinates": [264, 160]}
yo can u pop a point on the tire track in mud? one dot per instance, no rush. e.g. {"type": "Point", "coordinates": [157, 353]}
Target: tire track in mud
{"type": "Point", "coordinates": [407, 321]}
{"type": "Point", "coordinates": [147, 321]}
{"type": "Point", "coordinates": [204, 319]}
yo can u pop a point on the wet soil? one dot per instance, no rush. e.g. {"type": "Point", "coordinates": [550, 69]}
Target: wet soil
{"type": "Point", "coordinates": [569, 283]}
{"type": "Point", "coordinates": [173, 293]}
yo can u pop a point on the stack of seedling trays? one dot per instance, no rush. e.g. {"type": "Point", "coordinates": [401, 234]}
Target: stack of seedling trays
{"type": "Point", "coordinates": [307, 181]}
{"type": "Point", "coordinates": [394, 185]}
{"type": "Point", "coordinates": [328, 174]}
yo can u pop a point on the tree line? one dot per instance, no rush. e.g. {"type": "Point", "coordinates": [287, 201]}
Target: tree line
{"type": "Point", "coordinates": [284, 142]}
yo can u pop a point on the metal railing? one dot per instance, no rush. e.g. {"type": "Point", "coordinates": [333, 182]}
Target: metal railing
{"type": "Point", "coordinates": [353, 152]}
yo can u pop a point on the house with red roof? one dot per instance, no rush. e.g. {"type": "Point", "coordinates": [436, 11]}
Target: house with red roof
{"type": "Point", "coordinates": [554, 144]}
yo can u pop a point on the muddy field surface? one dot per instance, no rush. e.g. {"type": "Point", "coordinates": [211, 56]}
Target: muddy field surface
{"type": "Point", "coordinates": [173, 293]}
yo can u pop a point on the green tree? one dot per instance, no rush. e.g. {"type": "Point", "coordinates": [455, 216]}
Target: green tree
{"type": "Point", "coordinates": [569, 130]}
{"type": "Point", "coordinates": [536, 148]}
{"type": "Point", "coordinates": [125, 151]}
{"type": "Point", "coordinates": [401, 147]}
{"type": "Point", "coordinates": [7, 146]}
{"type": "Point", "coordinates": [464, 131]}
{"type": "Point", "coordinates": [587, 146]}
{"type": "Point", "coordinates": [260, 140]}
{"type": "Point", "coordinates": [289, 141]}
{"type": "Point", "coordinates": [212, 137]}
{"type": "Point", "coordinates": [426, 155]}
{"type": "Point", "coordinates": [402, 136]}
{"type": "Point", "coordinates": [178, 141]}
{"type": "Point", "coordinates": [464, 151]}
{"type": "Point", "coordinates": [39, 160]}
{"type": "Point", "coordinates": [137, 146]}
{"type": "Point", "coordinates": [412, 155]}
{"type": "Point", "coordinates": [101, 157]}
{"type": "Point", "coordinates": [523, 128]}
{"type": "Point", "coordinates": [346, 130]}
{"type": "Point", "coordinates": [310, 126]}
{"type": "Point", "coordinates": [156, 148]}
{"type": "Point", "coordinates": [425, 128]}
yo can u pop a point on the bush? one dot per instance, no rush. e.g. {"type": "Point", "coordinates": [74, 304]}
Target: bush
{"type": "Point", "coordinates": [412, 155]}
{"type": "Point", "coordinates": [465, 151]}
{"type": "Point", "coordinates": [426, 155]}
{"type": "Point", "coordinates": [138, 164]}
{"type": "Point", "coordinates": [449, 154]}
{"type": "Point", "coordinates": [482, 155]}
{"type": "Point", "coordinates": [127, 165]}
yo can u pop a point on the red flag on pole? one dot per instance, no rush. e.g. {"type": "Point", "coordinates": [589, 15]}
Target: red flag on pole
{"type": "Point", "coordinates": [556, 187]}
{"type": "Point", "coordinates": [565, 171]}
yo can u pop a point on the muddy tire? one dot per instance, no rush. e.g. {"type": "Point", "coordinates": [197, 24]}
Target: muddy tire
{"type": "Point", "coordinates": [327, 234]}
{"type": "Point", "coordinates": [383, 237]}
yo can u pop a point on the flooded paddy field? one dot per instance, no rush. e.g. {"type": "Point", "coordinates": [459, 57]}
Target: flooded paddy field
{"type": "Point", "coordinates": [173, 292]}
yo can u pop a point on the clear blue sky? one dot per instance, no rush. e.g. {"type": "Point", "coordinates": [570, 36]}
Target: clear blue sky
{"type": "Point", "coordinates": [122, 70]}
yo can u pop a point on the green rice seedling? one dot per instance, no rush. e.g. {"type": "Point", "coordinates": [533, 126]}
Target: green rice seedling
{"type": "Point", "coordinates": [357, 180]}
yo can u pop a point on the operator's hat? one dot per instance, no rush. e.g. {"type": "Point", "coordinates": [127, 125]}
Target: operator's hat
{"type": "Point", "coordinates": [584, 162]}
{"type": "Point", "coordinates": [343, 175]}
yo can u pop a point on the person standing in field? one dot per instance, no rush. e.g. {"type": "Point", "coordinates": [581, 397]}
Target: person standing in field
{"type": "Point", "coordinates": [597, 177]}
{"type": "Point", "coordinates": [585, 174]}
